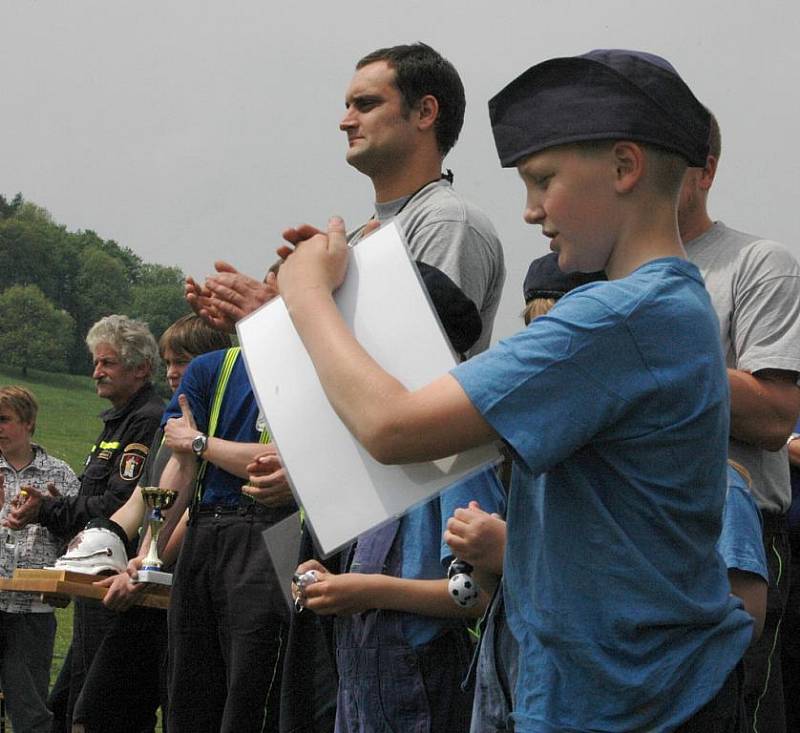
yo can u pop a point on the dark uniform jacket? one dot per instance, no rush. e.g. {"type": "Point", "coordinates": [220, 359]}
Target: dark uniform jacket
{"type": "Point", "coordinates": [112, 468]}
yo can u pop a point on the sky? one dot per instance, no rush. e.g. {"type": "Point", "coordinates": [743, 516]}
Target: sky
{"type": "Point", "coordinates": [192, 131]}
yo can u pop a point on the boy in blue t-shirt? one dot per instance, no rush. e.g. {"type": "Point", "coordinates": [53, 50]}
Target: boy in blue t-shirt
{"type": "Point", "coordinates": [615, 406]}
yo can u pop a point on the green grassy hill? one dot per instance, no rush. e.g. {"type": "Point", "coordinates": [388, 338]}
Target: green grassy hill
{"type": "Point", "coordinates": [68, 421]}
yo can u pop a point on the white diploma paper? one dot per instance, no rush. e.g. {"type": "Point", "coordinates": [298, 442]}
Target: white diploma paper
{"type": "Point", "coordinates": [343, 490]}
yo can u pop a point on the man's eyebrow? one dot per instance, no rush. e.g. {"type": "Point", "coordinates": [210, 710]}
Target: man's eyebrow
{"type": "Point", "coordinates": [363, 99]}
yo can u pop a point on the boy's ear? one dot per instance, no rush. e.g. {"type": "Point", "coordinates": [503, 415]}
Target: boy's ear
{"type": "Point", "coordinates": [629, 162]}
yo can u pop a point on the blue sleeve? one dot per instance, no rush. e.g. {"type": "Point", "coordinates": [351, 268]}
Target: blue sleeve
{"type": "Point", "coordinates": [197, 384]}
{"type": "Point", "coordinates": [483, 487]}
{"type": "Point", "coordinates": [578, 365]}
{"type": "Point", "coordinates": [740, 542]}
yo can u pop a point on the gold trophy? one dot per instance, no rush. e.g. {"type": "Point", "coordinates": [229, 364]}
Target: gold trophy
{"type": "Point", "coordinates": [157, 499]}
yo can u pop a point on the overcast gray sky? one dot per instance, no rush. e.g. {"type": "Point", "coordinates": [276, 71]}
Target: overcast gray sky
{"type": "Point", "coordinates": [191, 131]}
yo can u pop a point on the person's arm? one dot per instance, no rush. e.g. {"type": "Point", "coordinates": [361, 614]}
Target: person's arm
{"type": "Point", "coordinates": [752, 589]}
{"type": "Point", "coordinates": [130, 515]}
{"type": "Point", "coordinates": [349, 593]}
{"type": "Point", "coordinates": [392, 423]}
{"type": "Point", "coordinates": [794, 450]}
{"type": "Point", "coordinates": [267, 480]}
{"type": "Point", "coordinates": [172, 546]}
{"type": "Point", "coordinates": [764, 407]}
{"type": "Point", "coordinates": [230, 456]}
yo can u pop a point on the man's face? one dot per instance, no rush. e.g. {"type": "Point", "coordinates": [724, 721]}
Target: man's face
{"type": "Point", "coordinates": [379, 128]}
{"type": "Point", "coordinates": [15, 435]}
{"type": "Point", "coordinates": [115, 381]}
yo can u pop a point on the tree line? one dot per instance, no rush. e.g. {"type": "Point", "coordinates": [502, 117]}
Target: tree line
{"type": "Point", "coordinates": [54, 284]}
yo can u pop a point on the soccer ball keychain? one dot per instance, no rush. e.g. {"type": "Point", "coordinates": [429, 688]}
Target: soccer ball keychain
{"type": "Point", "coordinates": [462, 587]}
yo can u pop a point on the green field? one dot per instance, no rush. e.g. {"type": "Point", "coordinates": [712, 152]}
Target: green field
{"type": "Point", "coordinates": [67, 425]}
{"type": "Point", "coordinates": [68, 420]}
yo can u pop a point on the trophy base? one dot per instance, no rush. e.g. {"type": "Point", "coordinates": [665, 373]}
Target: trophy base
{"type": "Point", "coordinates": [154, 576]}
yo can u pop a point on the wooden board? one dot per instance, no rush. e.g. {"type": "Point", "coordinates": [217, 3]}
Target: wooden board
{"type": "Point", "coordinates": [65, 583]}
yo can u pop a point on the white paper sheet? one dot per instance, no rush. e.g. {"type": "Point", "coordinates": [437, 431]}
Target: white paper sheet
{"type": "Point", "coordinates": [343, 490]}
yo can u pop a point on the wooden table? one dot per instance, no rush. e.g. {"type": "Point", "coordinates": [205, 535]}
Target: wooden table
{"type": "Point", "coordinates": [55, 585]}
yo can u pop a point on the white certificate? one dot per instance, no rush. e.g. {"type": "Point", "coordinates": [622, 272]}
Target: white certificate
{"type": "Point", "coordinates": [343, 490]}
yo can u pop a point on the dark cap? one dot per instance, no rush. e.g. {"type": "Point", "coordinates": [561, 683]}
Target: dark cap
{"type": "Point", "coordinates": [458, 314]}
{"type": "Point", "coordinates": [546, 280]}
{"type": "Point", "coordinates": [601, 95]}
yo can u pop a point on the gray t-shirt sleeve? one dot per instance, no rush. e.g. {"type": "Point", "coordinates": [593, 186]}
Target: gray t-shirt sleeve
{"type": "Point", "coordinates": [765, 326]}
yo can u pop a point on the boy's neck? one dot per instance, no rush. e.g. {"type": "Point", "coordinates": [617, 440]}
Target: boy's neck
{"type": "Point", "coordinates": [645, 238]}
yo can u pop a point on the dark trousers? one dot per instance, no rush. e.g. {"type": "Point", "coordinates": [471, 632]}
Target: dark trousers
{"type": "Point", "coordinates": [127, 680]}
{"type": "Point", "coordinates": [790, 640]}
{"type": "Point", "coordinates": [227, 623]}
{"type": "Point", "coordinates": [26, 651]}
{"type": "Point", "coordinates": [724, 713]}
{"type": "Point", "coordinates": [763, 680]}
{"type": "Point", "coordinates": [90, 623]}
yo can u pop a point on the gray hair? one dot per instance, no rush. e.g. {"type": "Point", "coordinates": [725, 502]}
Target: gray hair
{"type": "Point", "coordinates": [131, 339]}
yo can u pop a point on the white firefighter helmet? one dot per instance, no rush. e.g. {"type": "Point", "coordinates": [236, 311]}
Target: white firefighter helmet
{"type": "Point", "coordinates": [94, 550]}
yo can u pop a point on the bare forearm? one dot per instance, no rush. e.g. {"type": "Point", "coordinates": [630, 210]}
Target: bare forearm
{"type": "Point", "coordinates": [794, 452]}
{"type": "Point", "coordinates": [173, 546]}
{"type": "Point", "coordinates": [423, 597]}
{"type": "Point", "coordinates": [231, 456]}
{"type": "Point", "coordinates": [130, 515]}
{"type": "Point", "coordinates": [764, 407]}
{"type": "Point", "coordinates": [357, 387]}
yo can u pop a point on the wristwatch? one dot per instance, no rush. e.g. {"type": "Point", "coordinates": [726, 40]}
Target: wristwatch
{"type": "Point", "coordinates": [199, 444]}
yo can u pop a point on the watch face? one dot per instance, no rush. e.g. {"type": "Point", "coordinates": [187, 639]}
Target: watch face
{"type": "Point", "coordinates": [199, 444]}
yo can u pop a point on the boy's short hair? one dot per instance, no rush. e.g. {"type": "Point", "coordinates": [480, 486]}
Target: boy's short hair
{"type": "Point", "coordinates": [601, 95]}
{"type": "Point", "coordinates": [420, 70]}
{"type": "Point", "coordinates": [191, 336]}
{"type": "Point", "coordinates": [21, 402]}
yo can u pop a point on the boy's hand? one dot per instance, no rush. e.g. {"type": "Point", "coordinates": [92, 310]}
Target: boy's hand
{"type": "Point", "coordinates": [179, 432]}
{"type": "Point", "coordinates": [340, 595]}
{"type": "Point", "coordinates": [268, 484]}
{"type": "Point", "coordinates": [317, 262]}
{"type": "Point", "coordinates": [123, 592]}
{"type": "Point", "coordinates": [25, 511]}
{"type": "Point", "coordinates": [477, 537]}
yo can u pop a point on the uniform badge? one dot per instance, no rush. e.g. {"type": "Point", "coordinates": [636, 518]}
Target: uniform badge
{"type": "Point", "coordinates": [132, 462]}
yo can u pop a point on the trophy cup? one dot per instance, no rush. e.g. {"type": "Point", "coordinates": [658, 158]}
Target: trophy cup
{"type": "Point", "coordinates": [156, 499]}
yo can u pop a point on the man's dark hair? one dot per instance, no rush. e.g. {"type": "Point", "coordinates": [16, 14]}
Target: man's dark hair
{"type": "Point", "coordinates": [420, 70]}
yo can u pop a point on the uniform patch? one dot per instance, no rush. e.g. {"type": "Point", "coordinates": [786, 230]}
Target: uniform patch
{"type": "Point", "coordinates": [137, 448]}
{"type": "Point", "coordinates": [131, 465]}
{"type": "Point", "coordinates": [103, 455]}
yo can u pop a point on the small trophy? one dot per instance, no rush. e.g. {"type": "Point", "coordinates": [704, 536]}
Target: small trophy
{"type": "Point", "coordinates": [156, 499]}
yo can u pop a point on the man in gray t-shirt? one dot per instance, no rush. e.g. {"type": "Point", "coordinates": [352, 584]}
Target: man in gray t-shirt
{"type": "Point", "coordinates": [754, 285]}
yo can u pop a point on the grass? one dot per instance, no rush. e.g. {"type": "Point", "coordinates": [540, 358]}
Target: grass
{"type": "Point", "coordinates": [68, 421]}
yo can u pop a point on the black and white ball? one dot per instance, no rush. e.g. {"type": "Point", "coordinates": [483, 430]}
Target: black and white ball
{"type": "Point", "coordinates": [463, 590]}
